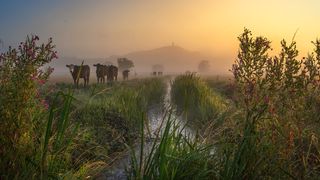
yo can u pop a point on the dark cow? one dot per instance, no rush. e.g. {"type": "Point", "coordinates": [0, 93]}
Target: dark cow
{"type": "Point", "coordinates": [160, 73]}
{"type": "Point", "coordinates": [154, 73]}
{"type": "Point", "coordinates": [112, 73]}
{"type": "Point", "coordinates": [101, 72]}
{"type": "Point", "coordinates": [114, 70]}
{"type": "Point", "coordinates": [125, 74]}
{"type": "Point", "coordinates": [78, 72]}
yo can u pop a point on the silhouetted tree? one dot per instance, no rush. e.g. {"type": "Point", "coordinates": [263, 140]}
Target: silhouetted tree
{"type": "Point", "coordinates": [124, 64]}
{"type": "Point", "coordinates": [204, 66]}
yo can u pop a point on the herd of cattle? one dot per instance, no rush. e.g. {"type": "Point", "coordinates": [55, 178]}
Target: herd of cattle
{"type": "Point", "coordinates": [83, 71]}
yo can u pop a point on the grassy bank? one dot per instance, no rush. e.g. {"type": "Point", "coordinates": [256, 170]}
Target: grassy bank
{"type": "Point", "coordinates": [80, 131]}
{"type": "Point", "coordinates": [193, 98]}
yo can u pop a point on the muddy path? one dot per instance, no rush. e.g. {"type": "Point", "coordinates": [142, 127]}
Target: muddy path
{"type": "Point", "coordinates": [156, 117]}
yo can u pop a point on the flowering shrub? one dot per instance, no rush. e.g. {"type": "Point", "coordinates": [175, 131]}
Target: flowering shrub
{"type": "Point", "coordinates": [279, 96]}
{"type": "Point", "coordinates": [22, 72]}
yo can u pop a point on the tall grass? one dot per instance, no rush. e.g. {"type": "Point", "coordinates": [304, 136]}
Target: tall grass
{"type": "Point", "coordinates": [174, 156]}
{"type": "Point", "coordinates": [196, 100]}
{"type": "Point", "coordinates": [111, 115]}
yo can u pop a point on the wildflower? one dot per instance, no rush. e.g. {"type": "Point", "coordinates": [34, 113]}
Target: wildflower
{"type": "Point", "coordinates": [54, 55]}
{"type": "Point", "coordinates": [45, 104]}
{"type": "Point", "coordinates": [29, 52]}
{"type": "Point", "coordinates": [41, 81]}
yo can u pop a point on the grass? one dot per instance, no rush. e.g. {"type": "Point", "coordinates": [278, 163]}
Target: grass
{"type": "Point", "coordinates": [174, 156]}
{"type": "Point", "coordinates": [243, 145]}
{"type": "Point", "coordinates": [83, 128]}
{"type": "Point", "coordinates": [199, 104]}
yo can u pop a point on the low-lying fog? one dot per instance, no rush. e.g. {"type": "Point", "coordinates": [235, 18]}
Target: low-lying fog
{"type": "Point", "coordinates": [173, 60]}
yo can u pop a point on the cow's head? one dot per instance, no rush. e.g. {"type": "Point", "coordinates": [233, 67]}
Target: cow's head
{"type": "Point", "coordinates": [97, 65]}
{"type": "Point", "coordinates": [71, 67]}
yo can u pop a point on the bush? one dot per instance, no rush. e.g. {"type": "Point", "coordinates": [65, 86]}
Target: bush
{"type": "Point", "coordinates": [21, 106]}
{"type": "Point", "coordinates": [274, 94]}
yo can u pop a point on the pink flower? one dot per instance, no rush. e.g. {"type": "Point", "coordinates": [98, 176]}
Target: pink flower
{"type": "Point", "coordinates": [54, 55]}
{"type": "Point", "coordinates": [29, 52]}
{"type": "Point", "coordinates": [34, 77]}
{"type": "Point", "coordinates": [44, 104]}
{"type": "Point", "coordinates": [41, 81]}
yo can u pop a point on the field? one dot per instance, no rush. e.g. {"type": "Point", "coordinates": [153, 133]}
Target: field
{"type": "Point", "coordinates": [260, 123]}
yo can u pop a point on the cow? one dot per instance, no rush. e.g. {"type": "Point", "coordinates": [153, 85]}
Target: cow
{"type": "Point", "coordinates": [160, 73]}
{"type": "Point", "coordinates": [125, 74]}
{"type": "Point", "coordinates": [101, 72]}
{"type": "Point", "coordinates": [112, 73]}
{"type": "Point", "coordinates": [154, 73]}
{"type": "Point", "coordinates": [77, 72]}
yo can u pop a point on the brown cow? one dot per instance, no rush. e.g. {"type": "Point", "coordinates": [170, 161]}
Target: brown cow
{"type": "Point", "coordinates": [101, 72]}
{"type": "Point", "coordinates": [112, 73]}
{"type": "Point", "coordinates": [78, 72]}
{"type": "Point", "coordinates": [114, 70]}
{"type": "Point", "coordinates": [125, 74]}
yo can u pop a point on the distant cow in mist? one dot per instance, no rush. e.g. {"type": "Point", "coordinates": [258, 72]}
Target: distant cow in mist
{"type": "Point", "coordinates": [159, 73]}
{"type": "Point", "coordinates": [112, 73]}
{"type": "Point", "coordinates": [125, 74]}
{"type": "Point", "coordinates": [77, 72]}
{"type": "Point", "coordinates": [101, 71]}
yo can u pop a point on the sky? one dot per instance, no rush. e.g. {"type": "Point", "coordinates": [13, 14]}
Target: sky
{"type": "Point", "coordinates": [100, 28]}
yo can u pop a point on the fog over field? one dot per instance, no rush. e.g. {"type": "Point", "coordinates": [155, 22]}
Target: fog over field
{"type": "Point", "coordinates": [173, 58]}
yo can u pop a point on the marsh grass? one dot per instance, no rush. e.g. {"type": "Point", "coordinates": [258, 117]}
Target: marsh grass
{"type": "Point", "coordinates": [78, 134]}
{"type": "Point", "coordinates": [174, 156]}
{"type": "Point", "coordinates": [193, 98]}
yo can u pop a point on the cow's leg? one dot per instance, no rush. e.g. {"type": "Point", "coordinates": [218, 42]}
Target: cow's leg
{"type": "Point", "coordinates": [77, 82]}
{"type": "Point", "coordinates": [87, 81]}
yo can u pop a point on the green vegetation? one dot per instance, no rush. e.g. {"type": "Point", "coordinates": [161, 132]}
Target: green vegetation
{"type": "Point", "coordinates": [270, 131]}
{"type": "Point", "coordinates": [56, 131]}
{"type": "Point", "coordinates": [280, 114]}
{"type": "Point", "coordinates": [175, 156]}
{"type": "Point", "coordinates": [262, 125]}
{"type": "Point", "coordinates": [199, 104]}
{"type": "Point", "coordinates": [222, 85]}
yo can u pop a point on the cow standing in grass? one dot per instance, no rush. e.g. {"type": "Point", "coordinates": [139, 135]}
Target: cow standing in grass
{"type": "Point", "coordinates": [112, 73]}
{"type": "Point", "coordinates": [101, 72]}
{"type": "Point", "coordinates": [125, 74]}
{"type": "Point", "coordinates": [78, 72]}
